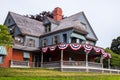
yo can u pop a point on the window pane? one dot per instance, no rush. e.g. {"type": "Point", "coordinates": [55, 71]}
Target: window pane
{"type": "Point", "coordinates": [1, 59]}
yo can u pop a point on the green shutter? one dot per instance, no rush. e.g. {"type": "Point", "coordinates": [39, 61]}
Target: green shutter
{"type": "Point", "coordinates": [26, 55]}
{"type": "Point", "coordinates": [3, 50]}
{"type": "Point", "coordinates": [78, 36]}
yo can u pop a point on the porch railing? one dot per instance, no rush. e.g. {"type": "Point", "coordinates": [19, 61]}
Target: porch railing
{"type": "Point", "coordinates": [96, 65]}
{"type": "Point", "coordinates": [15, 63]}
{"type": "Point", "coordinates": [82, 64]}
{"type": "Point", "coordinates": [74, 63]}
{"type": "Point", "coordinates": [54, 64]}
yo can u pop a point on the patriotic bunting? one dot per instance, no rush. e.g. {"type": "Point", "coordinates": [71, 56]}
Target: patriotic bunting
{"type": "Point", "coordinates": [75, 46]}
{"type": "Point", "coordinates": [44, 49]}
{"type": "Point", "coordinates": [88, 47]}
{"type": "Point", "coordinates": [97, 49]}
{"type": "Point", "coordinates": [52, 48]}
{"type": "Point", "coordinates": [62, 46]}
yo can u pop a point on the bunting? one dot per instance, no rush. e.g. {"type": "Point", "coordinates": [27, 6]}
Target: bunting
{"type": "Point", "coordinates": [63, 46]}
{"type": "Point", "coordinates": [44, 49]}
{"type": "Point", "coordinates": [52, 48]}
{"type": "Point", "coordinates": [97, 50]}
{"type": "Point", "coordinates": [87, 47]}
{"type": "Point", "coordinates": [75, 46]}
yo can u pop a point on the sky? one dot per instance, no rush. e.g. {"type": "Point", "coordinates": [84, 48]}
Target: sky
{"type": "Point", "coordinates": [103, 15]}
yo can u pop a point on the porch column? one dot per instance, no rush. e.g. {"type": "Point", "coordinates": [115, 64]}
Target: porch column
{"type": "Point", "coordinates": [61, 60]}
{"type": "Point", "coordinates": [101, 60]}
{"type": "Point", "coordinates": [109, 63]}
{"type": "Point", "coordinates": [41, 59]}
{"type": "Point", "coordinates": [86, 61]}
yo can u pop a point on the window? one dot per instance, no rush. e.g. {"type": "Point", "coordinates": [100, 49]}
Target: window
{"type": "Point", "coordinates": [47, 28]}
{"type": "Point", "coordinates": [73, 40]}
{"type": "Point", "coordinates": [31, 42]}
{"type": "Point", "coordinates": [55, 39]}
{"type": "Point", "coordinates": [45, 42]}
{"type": "Point", "coordinates": [1, 59]}
{"type": "Point", "coordinates": [26, 56]}
{"type": "Point", "coordinates": [65, 38]}
{"type": "Point", "coordinates": [18, 40]}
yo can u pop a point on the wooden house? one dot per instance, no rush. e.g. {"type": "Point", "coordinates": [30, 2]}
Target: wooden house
{"type": "Point", "coordinates": [61, 43]}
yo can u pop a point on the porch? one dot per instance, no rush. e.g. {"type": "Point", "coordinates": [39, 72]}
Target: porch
{"type": "Point", "coordinates": [71, 66]}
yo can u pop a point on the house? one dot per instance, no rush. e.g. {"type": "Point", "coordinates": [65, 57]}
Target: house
{"type": "Point", "coordinates": [61, 43]}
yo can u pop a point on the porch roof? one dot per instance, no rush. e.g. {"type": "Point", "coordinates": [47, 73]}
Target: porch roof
{"type": "Point", "coordinates": [77, 47]}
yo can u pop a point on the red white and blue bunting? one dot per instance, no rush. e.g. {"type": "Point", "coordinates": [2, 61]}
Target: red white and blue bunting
{"type": "Point", "coordinates": [87, 48]}
{"type": "Point", "coordinates": [44, 49]}
{"type": "Point", "coordinates": [97, 50]}
{"type": "Point", "coordinates": [75, 46]}
{"type": "Point", "coordinates": [52, 48]}
{"type": "Point", "coordinates": [63, 46]}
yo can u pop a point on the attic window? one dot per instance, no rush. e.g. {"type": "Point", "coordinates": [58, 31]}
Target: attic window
{"type": "Point", "coordinates": [47, 28]}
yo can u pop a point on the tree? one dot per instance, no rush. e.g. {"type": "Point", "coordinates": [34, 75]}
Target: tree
{"type": "Point", "coordinates": [115, 60]}
{"type": "Point", "coordinates": [115, 45]}
{"type": "Point", "coordinates": [5, 37]}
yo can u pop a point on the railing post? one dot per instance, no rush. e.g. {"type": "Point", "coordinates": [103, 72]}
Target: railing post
{"type": "Point", "coordinates": [28, 64]}
{"type": "Point", "coordinates": [41, 59]}
{"type": "Point", "coordinates": [61, 60]}
{"type": "Point", "coordinates": [101, 61]}
{"type": "Point", "coordinates": [86, 61]}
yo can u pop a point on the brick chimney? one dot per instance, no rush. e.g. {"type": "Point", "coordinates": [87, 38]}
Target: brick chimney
{"type": "Point", "coordinates": [57, 14]}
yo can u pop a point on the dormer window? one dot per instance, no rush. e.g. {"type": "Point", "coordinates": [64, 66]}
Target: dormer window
{"type": "Point", "coordinates": [30, 42]}
{"type": "Point", "coordinates": [47, 28]}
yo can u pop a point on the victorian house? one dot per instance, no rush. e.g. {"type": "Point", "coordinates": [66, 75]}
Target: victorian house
{"type": "Point", "coordinates": [61, 43]}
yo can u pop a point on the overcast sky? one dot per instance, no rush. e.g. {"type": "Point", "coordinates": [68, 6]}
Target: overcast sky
{"type": "Point", "coordinates": [103, 15]}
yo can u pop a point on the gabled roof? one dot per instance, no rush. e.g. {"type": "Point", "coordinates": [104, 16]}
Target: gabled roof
{"type": "Point", "coordinates": [36, 28]}
{"type": "Point", "coordinates": [28, 26]}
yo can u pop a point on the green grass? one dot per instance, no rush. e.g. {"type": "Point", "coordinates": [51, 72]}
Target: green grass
{"type": "Point", "coordinates": [47, 74]}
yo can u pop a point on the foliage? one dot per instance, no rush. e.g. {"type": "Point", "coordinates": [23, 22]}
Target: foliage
{"type": "Point", "coordinates": [115, 60]}
{"type": "Point", "coordinates": [115, 45]}
{"type": "Point", "coordinates": [42, 15]}
{"type": "Point", "coordinates": [5, 37]}
{"type": "Point", "coordinates": [46, 74]}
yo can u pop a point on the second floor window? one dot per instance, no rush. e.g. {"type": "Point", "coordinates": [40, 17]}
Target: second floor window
{"type": "Point", "coordinates": [30, 42]}
{"type": "Point", "coordinates": [44, 42]}
{"type": "Point", "coordinates": [55, 39]}
{"type": "Point", "coordinates": [65, 38]}
{"type": "Point", "coordinates": [73, 40]}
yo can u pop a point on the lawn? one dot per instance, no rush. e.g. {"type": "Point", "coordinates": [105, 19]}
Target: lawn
{"type": "Point", "coordinates": [47, 74]}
